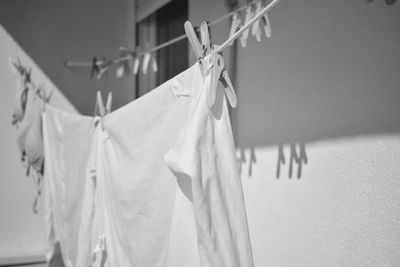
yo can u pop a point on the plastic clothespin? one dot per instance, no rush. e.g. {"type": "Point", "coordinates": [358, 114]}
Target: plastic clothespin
{"type": "Point", "coordinates": [266, 24]}
{"type": "Point", "coordinates": [256, 28]}
{"type": "Point", "coordinates": [235, 25]}
{"type": "Point", "coordinates": [136, 64]}
{"type": "Point", "coordinates": [205, 39]}
{"type": "Point", "coordinates": [154, 63]}
{"type": "Point", "coordinates": [95, 68]}
{"type": "Point", "coordinates": [219, 73]}
{"type": "Point", "coordinates": [99, 67]}
{"type": "Point", "coordinates": [194, 41]}
{"type": "Point", "coordinates": [104, 64]}
{"type": "Point", "coordinates": [46, 98]}
{"type": "Point", "coordinates": [100, 109]}
{"type": "Point", "coordinates": [123, 66]}
{"type": "Point", "coordinates": [146, 61]}
{"type": "Point", "coordinates": [136, 61]}
{"type": "Point", "coordinates": [249, 16]}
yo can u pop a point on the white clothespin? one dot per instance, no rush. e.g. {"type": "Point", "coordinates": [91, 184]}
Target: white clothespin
{"type": "Point", "coordinates": [146, 61]}
{"type": "Point", "coordinates": [136, 64]}
{"type": "Point", "coordinates": [249, 16]}
{"type": "Point", "coordinates": [194, 41]}
{"type": "Point", "coordinates": [99, 67]}
{"type": "Point", "coordinates": [100, 109]}
{"type": "Point", "coordinates": [123, 66]}
{"type": "Point", "coordinates": [217, 65]}
{"type": "Point", "coordinates": [46, 98]}
{"type": "Point", "coordinates": [266, 24]}
{"type": "Point", "coordinates": [136, 61]}
{"type": "Point", "coordinates": [219, 73]}
{"type": "Point", "coordinates": [154, 65]}
{"type": "Point", "coordinates": [205, 39]}
{"type": "Point", "coordinates": [200, 49]}
{"type": "Point", "coordinates": [255, 28]}
{"type": "Point", "coordinates": [235, 25]}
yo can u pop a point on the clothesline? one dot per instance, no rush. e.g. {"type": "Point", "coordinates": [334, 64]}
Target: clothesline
{"type": "Point", "coordinates": [183, 36]}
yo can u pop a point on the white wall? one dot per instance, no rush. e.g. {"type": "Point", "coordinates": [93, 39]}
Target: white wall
{"type": "Point", "coordinates": [22, 234]}
{"type": "Point", "coordinates": [325, 88]}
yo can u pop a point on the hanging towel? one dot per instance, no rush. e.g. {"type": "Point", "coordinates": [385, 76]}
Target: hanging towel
{"type": "Point", "coordinates": [67, 139]}
{"type": "Point", "coordinates": [166, 189]}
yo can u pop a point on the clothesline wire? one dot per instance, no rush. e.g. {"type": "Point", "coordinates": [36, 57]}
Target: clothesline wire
{"type": "Point", "coordinates": [160, 46]}
{"type": "Point", "coordinates": [248, 25]}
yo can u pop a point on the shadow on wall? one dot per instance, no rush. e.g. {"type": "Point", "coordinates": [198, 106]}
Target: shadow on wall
{"type": "Point", "coordinates": [295, 160]}
{"type": "Point", "coordinates": [329, 71]}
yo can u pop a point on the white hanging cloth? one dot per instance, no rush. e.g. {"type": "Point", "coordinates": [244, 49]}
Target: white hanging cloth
{"type": "Point", "coordinates": [151, 211]}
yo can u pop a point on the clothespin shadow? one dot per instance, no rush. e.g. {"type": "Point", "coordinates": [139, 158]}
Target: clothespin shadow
{"type": "Point", "coordinates": [281, 160]}
{"type": "Point", "coordinates": [298, 157]}
{"type": "Point", "coordinates": [18, 68]}
{"type": "Point", "coordinates": [33, 129]}
{"type": "Point", "coordinates": [22, 88]}
{"type": "Point", "coordinates": [241, 159]}
{"type": "Point", "coordinates": [252, 161]}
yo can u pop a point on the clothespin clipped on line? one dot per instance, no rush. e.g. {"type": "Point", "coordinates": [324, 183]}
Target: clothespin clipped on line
{"type": "Point", "coordinates": [22, 89]}
{"type": "Point", "coordinates": [40, 92]}
{"type": "Point", "coordinates": [219, 73]}
{"type": "Point", "coordinates": [99, 67]}
{"type": "Point", "coordinates": [149, 58]}
{"type": "Point", "coordinates": [18, 68]}
{"type": "Point", "coordinates": [216, 64]}
{"type": "Point", "coordinates": [235, 25]}
{"type": "Point", "coordinates": [264, 21]}
{"type": "Point", "coordinates": [136, 62]}
{"type": "Point", "coordinates": [123, 65]}
{"type": "Point", "coordinates": [249, 15]}
{"type": "Point", "coordinates": [100, 109]}
{"type": "Point", "coordinates": [256, 28]}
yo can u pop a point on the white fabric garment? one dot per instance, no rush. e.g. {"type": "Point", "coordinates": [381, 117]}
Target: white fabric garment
{"type": "Point", "coordinates": [166, 189]}
{"type": "Point", "coordinates": [67, 139]}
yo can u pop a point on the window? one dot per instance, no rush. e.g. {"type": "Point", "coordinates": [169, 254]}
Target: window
{"type": "Point", "coordinates": [163, 25]}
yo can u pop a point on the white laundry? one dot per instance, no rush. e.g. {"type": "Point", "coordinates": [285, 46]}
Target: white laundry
{"type": "Point", "coordinates": [166, 189]}
{"type": "Point", "coordinates": [67, 139]}
{"type": "Point", "coordinates": [204, 156]}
